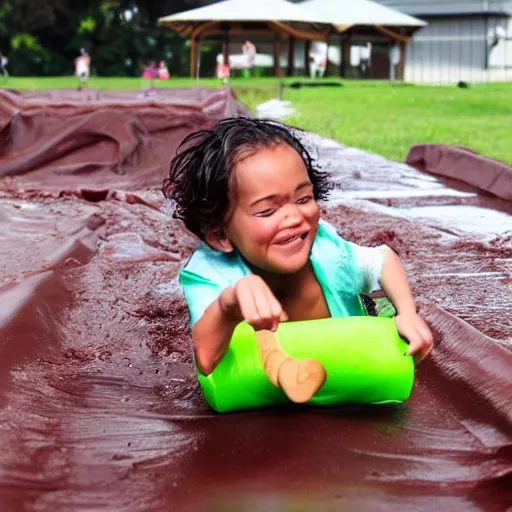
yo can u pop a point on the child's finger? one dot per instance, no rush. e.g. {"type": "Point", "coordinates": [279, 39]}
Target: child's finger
{"type": "Point", "coordinates": [420, 348]}
{"type": "Point", "coordinates": [256, 309]}
{"type": "Point", "coordinates": [263, 308]}
{"type": "Point", "coordinates": [415, 342]}
{"type": "Point", "coordinates": [246, 304]}
{"type": "Point", "coordinates": [424, 330]}
{"type": "Point", "coordinates": [275, 308]}
{"type": "Point", "coordinates": [427, 334]}
{"type": "Point", "coordinates": [424, 353]}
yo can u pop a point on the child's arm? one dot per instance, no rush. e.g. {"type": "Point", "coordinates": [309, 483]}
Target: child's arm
{"type": "Point", "coordinates": [212, 332]}
{"type": "Point", "coordinates": [251, 300]}
{"type": "Point", "coordinates": [409, 324]}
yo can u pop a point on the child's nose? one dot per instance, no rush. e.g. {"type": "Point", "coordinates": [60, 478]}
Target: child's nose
{"type": "Point", "coordinates": [292, 215]}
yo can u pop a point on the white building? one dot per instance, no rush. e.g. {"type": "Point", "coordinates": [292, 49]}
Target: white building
{"type": "Point", "coordinates": [469, 40]}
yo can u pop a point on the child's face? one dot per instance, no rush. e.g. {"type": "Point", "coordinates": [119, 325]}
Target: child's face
{"type": "Point", "coordinates": [274, 217]}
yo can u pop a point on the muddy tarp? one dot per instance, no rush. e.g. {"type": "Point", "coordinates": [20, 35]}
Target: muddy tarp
{"type": "Point", "coordinates": [485, 173]}
{"type": "Point", "coordinates": [97, 139]}
{"type": "Point", "coordinates": [99, 404]}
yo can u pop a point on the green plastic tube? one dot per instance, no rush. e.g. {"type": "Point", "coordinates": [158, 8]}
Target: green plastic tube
{"type": "Point", "coordinates": [364, 358]}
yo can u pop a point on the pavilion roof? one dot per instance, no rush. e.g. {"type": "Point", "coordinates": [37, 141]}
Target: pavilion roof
{"type": "Point", "coordinates": [310, 16]}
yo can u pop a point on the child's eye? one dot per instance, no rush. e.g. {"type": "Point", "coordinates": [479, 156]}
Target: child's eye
{"type": "Point", "coordinates": [304, 200]}
{"type": "Point", "coordinates": [265, 213]}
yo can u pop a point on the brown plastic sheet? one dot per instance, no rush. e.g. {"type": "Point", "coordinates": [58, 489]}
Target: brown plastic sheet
{"type": "Point", "coordinates": [99, 404]}
{"type": "Point", "coordinates": [123, 139]}
{"type": "Point", "coordinates": [488, 175]}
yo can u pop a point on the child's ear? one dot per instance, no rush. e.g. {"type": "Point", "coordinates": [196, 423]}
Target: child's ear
{"type": "Point", "coordinates": [218, 240]}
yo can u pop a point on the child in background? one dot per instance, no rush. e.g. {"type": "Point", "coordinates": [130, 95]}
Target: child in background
{"type": "Point", "coordinates": [3, 65]}
{"type": "Point", "coordinates": [223, 73]}
{"type": "Point", "coordinates": [83, 66]}
{"type": "Point", "coordinates": [248, 189]}
{"type": "Point", "coordinates": [163, 72]}
{"type": "Point", "coordinates": [150, 72]}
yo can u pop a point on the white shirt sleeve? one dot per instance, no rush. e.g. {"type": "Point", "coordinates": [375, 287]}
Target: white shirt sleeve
{"type": "Point", "coordinates": [369, 262]}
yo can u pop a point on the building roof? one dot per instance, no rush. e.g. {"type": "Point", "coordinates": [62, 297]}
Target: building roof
{"type": "Point", "coordinates": [247, 10]}
{"type": "Point", "coordinates": [327, 12]}
{"type": "Point", "coordinates": [360, 12]}
{"type": "Point", "coordinates": [450, 7]}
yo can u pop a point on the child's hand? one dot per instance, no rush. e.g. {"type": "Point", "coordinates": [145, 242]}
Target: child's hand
{"type": "Point", "coordinates": [255, 303]}
{"type": "Point", "coordinates": [414, 329]}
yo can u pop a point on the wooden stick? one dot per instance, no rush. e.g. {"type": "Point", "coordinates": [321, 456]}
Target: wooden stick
{"type": "Point", "coordinates": [299, 379]}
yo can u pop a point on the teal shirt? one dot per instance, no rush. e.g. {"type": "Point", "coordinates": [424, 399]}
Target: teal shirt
{"type": "Point", "coordinates": [343, 269]}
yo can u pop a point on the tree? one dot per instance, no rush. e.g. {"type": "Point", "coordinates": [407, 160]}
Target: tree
{"type": "Point", "coordinates": [122, 36]}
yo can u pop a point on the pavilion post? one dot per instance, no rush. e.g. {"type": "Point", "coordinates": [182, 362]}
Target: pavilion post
{"type": "Point", "coordinates": [225, 47]}
{"type": "Point", "coordinates": [198, 58]}
{"type": "Point", "coordinates": [193, 57]}
{"type": "Point", "coordinates": [401, 65]}
{"type": "Point", "coordinates": [340, 71]}
{"type": "Point", "coordinates": [277, 55]}
{"type": "Point", "coordinates": [291, 56]}
{"type": "Point", "coordinates": [327, 38]}
{"type": "Point", "coordinates": [307, 49]}
{"type": "Point", "coordinates": [345, 64]}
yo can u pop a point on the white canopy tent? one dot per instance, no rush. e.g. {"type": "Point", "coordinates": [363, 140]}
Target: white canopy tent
{"type": "Point", "coordinates": [346, 14]}
{"type": "Point", "coordinates": [359, 12]}
{"type": "Point", "coordinates": [311, 20]}
{"type": "Point", "coordinates": [236, 10]}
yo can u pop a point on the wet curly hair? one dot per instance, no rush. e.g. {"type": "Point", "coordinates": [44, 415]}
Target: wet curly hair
{"type": "Point", "coordinates": [202, 172]}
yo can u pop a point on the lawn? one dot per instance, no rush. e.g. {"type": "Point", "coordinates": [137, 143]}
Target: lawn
{"type": "Point", "coordinates": [382, 117]}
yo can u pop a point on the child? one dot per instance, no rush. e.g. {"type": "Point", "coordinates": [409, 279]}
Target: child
{"type": "Point", "coordinates": [223, 73]}
{"type": "Point", "coordinates": [82, 66]}
{"type": "Point", "coordinates": [163, 72]}
{"type": "Point", "coordinates": [249, 189]}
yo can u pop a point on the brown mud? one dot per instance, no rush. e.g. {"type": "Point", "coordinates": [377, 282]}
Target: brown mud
{"type": "Point", "coordinates": [99, 404]}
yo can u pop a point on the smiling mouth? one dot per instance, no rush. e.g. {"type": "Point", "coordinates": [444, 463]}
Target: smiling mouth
{"type": "Point", "coordinates": [293, 238]}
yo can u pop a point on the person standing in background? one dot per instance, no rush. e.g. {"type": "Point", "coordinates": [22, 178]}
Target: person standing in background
{"type": "Point", "coordinates": [82, 66]}
{"type": "Point", "coordinates": [223, 73]}
{"type": "Point", "coordinates": [163, 72]}
{"type": "Point", "coordinates": [3, 65]}
{"type": "Point", "coordinates": [249, 50]}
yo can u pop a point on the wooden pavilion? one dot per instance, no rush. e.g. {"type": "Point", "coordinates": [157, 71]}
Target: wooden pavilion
{"type": "Point", "coordinates": [284, 23]}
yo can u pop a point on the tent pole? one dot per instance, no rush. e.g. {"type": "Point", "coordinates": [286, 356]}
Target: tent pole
{"type": "Point", "coordinates": [307, 49]}
{"type": "Point", "coordinates": [291, 56]}
{"type": "Point", "coordinates": [225, 42]}
{"type": "Point", "coordinates": [341, 71]}
{"type": "Point", "coordinates": [198, 59]}
{"type": "Point", "coordinates": [401, 65]}
{"type": "Point", "coordinates": [327, 51]}
{"type": "Point", "coordinates": [277, 55]}
{"type": "Point", "coordinates": [347, 43]}
{"type": "Point", "coordinates": [193, 57]}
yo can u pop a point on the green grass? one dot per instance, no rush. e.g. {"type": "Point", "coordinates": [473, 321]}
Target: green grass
{"type": "Point", "coordinates": [382, 117]}
{"type": "Point", "coordinates": [389, 119]}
